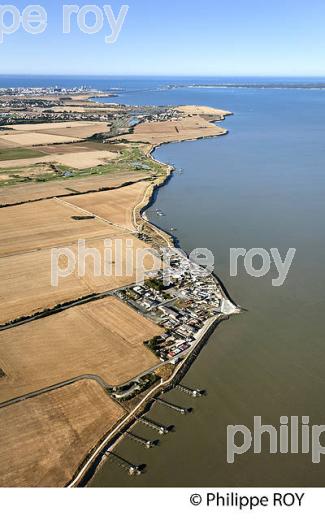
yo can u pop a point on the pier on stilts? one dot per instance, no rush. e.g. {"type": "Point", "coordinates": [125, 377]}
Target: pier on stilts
{"type": "Point", "coordinates": [190, 391]}
{"type": "Point", "coordinates": [132, 469]}
{"type": "Point", "coordinates": [160, 428]}
{"type": "Point", "coordinates": [174, 407]}
{"type": "Point", "coordinates": [140, 440]}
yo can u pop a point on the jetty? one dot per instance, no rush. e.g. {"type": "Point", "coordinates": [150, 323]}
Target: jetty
{"type": "Point", "coordinates": [174, 407]}
{"type": "Point", "coordinates": [140, 440]}
{"type": "Point", "coordinates": [160, 428]}
{"type": "Point", "coordinates": [132, 469]}
{"type": "Point", "coordinates": [189, 391]}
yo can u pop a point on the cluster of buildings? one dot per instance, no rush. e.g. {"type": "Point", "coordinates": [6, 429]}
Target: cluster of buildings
{"type": "Point", "coordinates": [38, 105]}
{"type": "Point", "coordinates": [15, 110]}
{"type": "Point", "coordinates": [181, 299]}
{"type": "Point", "coordinates": [44, 91]}
{"type": "Point", "coordinates": [157, 114]}
{"type": "Point", "coordinates": [10, 118]}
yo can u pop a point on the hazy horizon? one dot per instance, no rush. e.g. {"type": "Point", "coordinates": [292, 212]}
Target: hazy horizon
{"type": "Point", "coordinates": [173, 76]}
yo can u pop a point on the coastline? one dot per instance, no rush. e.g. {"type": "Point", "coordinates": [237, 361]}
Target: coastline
{"type": "Point", "coordinates": [136, 146]}
{"type": "Point", "coordinates": [113, 438]}
{"type": "Point", "coordinates": [96, 458]}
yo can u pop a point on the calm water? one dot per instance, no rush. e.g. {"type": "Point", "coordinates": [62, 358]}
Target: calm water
{"type": "Point", "coordinates": [262, 185]}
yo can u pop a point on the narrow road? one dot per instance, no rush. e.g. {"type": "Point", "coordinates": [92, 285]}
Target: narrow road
{"type": "Point", "coordinates": [182, 356]}
{"type": "Point", "coordinates": [36, 393]}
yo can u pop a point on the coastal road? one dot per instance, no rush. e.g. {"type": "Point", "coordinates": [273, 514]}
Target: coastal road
{"type": "Point", "coordinates": [132, 415]}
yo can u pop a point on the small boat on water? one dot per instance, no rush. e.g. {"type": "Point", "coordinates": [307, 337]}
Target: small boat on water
{"type": "Point", "coordinates": [160, 213]}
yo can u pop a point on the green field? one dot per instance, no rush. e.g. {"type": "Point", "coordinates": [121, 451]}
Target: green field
{"type": "Point", "coordinates": [132, 159]}
{"type": "Point", "coordinates": [11, 154]}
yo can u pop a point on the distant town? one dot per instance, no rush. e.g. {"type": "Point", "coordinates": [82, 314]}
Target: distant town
{"type": "Point", "coordinates": [55, 104]}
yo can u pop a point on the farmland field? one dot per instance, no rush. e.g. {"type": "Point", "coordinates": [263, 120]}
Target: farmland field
{"type": "Point", "coordinates": [45, 224]}
{"type": "Point", "coordinates": [14, 154]}
{"type": "Point", "coordinates": [47, 437]}
{"type": "Point", "coordinates": [81, 159]}
{"type": "Point", "coordinates": [167, 131]}
{"type": "Point", "coordinates": [116, 205]}
{"type": "Point", "coordinates": [34, 138]}
{"type": "Point", "coordinates": [104, 337]}
{"type": "Point", "coordinates": [53, 126]}
{"type": "Point", "coordinates": [26, 278]}
{"type": "Point", "coordinates": [67, 186]}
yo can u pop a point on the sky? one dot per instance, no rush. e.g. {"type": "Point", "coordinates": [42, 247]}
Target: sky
{"type": "Point", "coordinates": [175, 38]}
